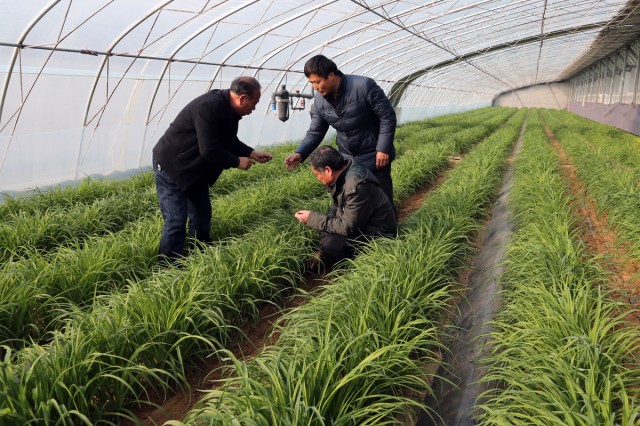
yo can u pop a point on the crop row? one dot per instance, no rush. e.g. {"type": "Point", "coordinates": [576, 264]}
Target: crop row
{"type": "Point", "coordinates": [145, 335]}
{"type": "Point", "coordinates": [611, 143]}
{"type": "Point", "coordinates": [31, 229]}
{"type": "Point", "coordinates": [605, 169]}
{"type": "Point", "coordinates": [39, 224]}
{"type": "Point", "coordinates": [356, 354]}
{"type": "Point", "coordinates": [69, 215]}
{"type": "Point", "coordinates": [37, 289]}
{"type": "Point", "coordinates": [562, 354]}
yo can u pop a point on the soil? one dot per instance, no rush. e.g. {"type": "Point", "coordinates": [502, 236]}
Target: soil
{"type": "Point", "coordinates": [456, 387]}
{"type": "Point", "coordinates": [613, 255]}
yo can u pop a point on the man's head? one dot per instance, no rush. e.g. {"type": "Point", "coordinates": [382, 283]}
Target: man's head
{"type": "Point", "coordinates": [245, 94]}
{"type": "Point", "coordinates": [327, 164]}
{"type": "Point", "coordinates": [323, 74]}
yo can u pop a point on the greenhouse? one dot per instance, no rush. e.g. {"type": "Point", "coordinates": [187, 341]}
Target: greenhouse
{"type": "Point", "coordinates": [501, 138]}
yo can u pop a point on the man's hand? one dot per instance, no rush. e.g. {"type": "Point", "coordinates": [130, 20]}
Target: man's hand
{"type": "Point", "coordinates": [245, 163]}
{"type": "Point", "coordinates": [292, 160]}
{"type": "Point", "coordinates": [261, 156]}
{"type": "Point", "coordinates": [382, 159]}
{"type": "Point", "coordinates": [302, 215]}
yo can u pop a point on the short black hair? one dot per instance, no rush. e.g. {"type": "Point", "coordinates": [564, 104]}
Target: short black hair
{"type": "Point", "coordinates": [321, 66]}
{"type": "Point", "coordinates": [244, 85]}
{"type": "Point", "coordinates": [327, 156]}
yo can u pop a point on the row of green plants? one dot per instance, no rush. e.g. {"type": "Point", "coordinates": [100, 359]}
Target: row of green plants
{"type": "Point", "coordinates": [38, 223]}
{"type": "Point", "coordinates": [147, 336]}
{"type": "Point", "coordinates": [65, 196]}
{"type": "Point", "coordinates": [31, 230]}
{"type": "Point", "coordinates": [562, 352]}
{"type": "Point", "coordinates": [37, 289]}
{"type": "Point", "coordinates": [148, 333]}
{"type": "Point", "coordinates": [356, 354]}
{"type": "Point", "coordinates": [439, 128]}
{"type": "Point", "coordinates": [611, 142]}
{"type": "Point", "coordinates": [609, 179]}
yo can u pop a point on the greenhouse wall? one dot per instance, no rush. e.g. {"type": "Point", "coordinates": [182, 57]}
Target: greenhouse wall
{"type": "Point", "coordinates": [623, 116]}
{"type": "Point", "coordinates": [608, 90]}
{"type": "Point", "coordinates": [549, 95]}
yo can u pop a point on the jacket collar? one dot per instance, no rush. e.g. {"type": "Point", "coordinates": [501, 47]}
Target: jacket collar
{"type": "Point", "coordinates": [339, 183]}
{"type": "Point", "coordinates": [333, 99]}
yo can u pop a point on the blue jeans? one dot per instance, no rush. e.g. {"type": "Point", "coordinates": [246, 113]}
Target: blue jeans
{"type": "Point", "coordinates": [177, 207]}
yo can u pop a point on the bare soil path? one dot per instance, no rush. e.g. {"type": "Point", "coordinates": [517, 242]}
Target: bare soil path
{"type": "Point", "coordinates": [456, 387]}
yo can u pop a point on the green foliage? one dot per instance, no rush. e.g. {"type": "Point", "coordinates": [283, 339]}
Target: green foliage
{"type": "Point", "coordinates": [607, 162]}
{"type": "Point", "coordinates": [132, 328]}
{"type": "Point", "coordinates": [563, 354]}
{"type": "Point", "coordinates": [353, 355]}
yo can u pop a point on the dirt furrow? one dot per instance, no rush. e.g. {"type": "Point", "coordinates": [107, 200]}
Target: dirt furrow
{"type": "Point", "coordinates": [600, 239]}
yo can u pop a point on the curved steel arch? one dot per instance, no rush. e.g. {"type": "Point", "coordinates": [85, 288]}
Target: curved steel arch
{"type": "Point", "coordinates": [108, 54]}
{"type": "Point", "coordinates": [355, 31]}
{"type": "Point", "coordinates": [420, 22]}
{"type": "Point", "coordinates": [189, 39]}
{"type": "Point", "coordinates": [368, 40]}
{"type": "Point", "coordinates": [23, 36]}
{"type": "Point", "coordinates": [315, 31]}
{"type": "Point", "coordinates": [402, 83]}
{"type": "Point", "coordinates": [287, 68]}
{"type": "Point", "coordinates": [402, 28]}
{"type": "Point", "coordinates": [263, 33]}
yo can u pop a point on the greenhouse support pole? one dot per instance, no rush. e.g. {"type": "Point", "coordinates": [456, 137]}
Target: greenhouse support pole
{"type": "Point", "coordinates": [592, 72]}
{"type": "Point", "coordinates": [571, 90]}
{"type": "Point", "coordinates": [109, 52]}
{"type": "Point", "coordinates": [602, 83]}
{"type": "Point", "coordinates": [623, 74]}
{"type": "Point", "coordinates": [595, 85]}
{"type": "Point", "coordinates": [613, 78]}
{"type": "Point", "coordinates": [635, 86]}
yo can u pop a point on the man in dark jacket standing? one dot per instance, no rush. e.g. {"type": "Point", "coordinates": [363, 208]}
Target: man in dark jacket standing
{"type": "Point", "coordinates": [198, 145]}
{"type": "Point", "coordinates": [360, 209]}
{"type": "Point", "coordinates": [361, 114]}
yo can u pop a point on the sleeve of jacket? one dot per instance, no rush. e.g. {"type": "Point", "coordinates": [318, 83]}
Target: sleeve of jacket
{"type": "Point", "coordinates": [241, 149]}
{"type": "Point", "coordinates": [382, 108]}
{"type": "Point", "coordinates": [210, 143]}
{"type": "Point", "coordinates": [315, 134]}
{"type": "Point", "coordinates": [354, 217]}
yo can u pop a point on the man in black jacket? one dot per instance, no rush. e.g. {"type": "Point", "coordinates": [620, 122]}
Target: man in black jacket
{"type": "Point", "coordinates": [360, 209]}
{"type": "Point", "coordinates": [198, 145]}
{"type": "Point", "coordinates": [361, 114]}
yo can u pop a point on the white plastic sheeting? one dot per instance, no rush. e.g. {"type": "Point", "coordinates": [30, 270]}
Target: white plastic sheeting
{"type": "Point", "coordinates": [88, 86]}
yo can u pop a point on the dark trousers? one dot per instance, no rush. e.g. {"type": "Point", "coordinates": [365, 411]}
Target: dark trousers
{"type": "Point", "coordinates": [384, 177]}
{"type": "Point", "coordinates": [177, 207]}
{"type": "Point", "coordinates": [335, 248]}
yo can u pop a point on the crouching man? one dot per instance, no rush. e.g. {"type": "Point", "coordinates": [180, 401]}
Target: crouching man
{"type": "Point", "coordinates": [360, 208]}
